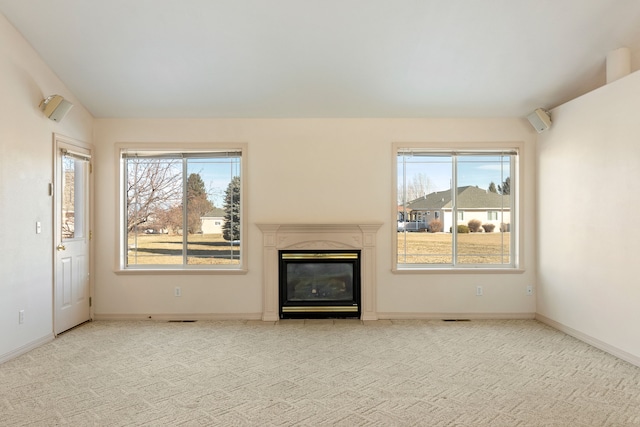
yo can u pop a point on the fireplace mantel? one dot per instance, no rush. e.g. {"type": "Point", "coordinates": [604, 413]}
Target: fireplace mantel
{"type": "Point", "coordinates": [278, 237]}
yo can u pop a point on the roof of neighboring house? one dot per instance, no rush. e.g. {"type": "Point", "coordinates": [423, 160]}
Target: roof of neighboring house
{"type": "Point", "coordinates": [214, 213]}
{"type": "Point", "coordinates": [469, 197]}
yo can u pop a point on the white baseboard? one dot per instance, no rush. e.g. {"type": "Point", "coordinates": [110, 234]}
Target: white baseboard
{"type": "Point", "coordinates": [178, 316]}
{"type": "Point", "coordinates": [620, 354]}
{"type": "Point", "coordinates": [26, 348]}
{"type": "Point", "coordinates": [454, 316]}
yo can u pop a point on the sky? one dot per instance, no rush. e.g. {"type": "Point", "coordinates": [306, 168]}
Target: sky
{"type": "Point", "coordinates": [216, 174]}
{"type": "Point", "coordinates": [477, 171]}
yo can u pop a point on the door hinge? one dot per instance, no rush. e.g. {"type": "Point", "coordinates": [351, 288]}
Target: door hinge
{"type": "Point", "coordinates": [89, 301]}
{"type": "Point", "coordinates": [90, 234]}
{"type": "Point", "coordinates": [90, 167]}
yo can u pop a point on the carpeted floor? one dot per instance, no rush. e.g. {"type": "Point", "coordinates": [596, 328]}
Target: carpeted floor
{"type": "Point", "coordinates": [318, 373]}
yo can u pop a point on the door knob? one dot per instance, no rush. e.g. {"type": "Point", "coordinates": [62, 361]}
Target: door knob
{"type": "Point", "coordinates": [60, 247]}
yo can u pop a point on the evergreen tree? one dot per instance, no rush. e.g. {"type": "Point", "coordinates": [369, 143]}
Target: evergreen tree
{"type": "Point", "coordinates": [195, 186]}
{"type": "Point", "coordinates": [231, 226]}
{"type": "Point", "coordinates": [505, 188]}
{"type": "Point", "coordinates": [197, 203]}
{"type": "Point", "coordinates": [492, 187]}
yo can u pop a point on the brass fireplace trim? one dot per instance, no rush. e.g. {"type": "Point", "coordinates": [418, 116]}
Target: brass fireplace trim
{"type": "Point", "coordinates": [324, 309]}
{"type": "Point", "coordinates": [320, 255]}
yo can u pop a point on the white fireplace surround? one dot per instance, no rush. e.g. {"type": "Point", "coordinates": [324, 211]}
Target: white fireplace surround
{"type": "Point", "coordinates": [278, 237]}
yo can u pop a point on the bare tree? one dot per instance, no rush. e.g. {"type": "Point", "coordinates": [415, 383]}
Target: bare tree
{"type": "Point", "coordinates": [419, 186]}
{"type": "Point", "coordinates": [170, 219]}
{"type": "Point", "coordinates": [154, 188]}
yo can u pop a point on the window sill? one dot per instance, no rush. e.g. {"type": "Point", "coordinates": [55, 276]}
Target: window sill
{"type": "Point", "coordinates": [422, 270]}
{"type": "Point", "coordinates": [179, 271]}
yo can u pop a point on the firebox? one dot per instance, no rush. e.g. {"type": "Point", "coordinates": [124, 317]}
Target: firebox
{"type": "Point", "coordinates": [319, 284]}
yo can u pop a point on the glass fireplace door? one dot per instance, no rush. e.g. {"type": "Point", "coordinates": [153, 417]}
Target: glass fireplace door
{"type": "Point", "coordinates": [319, 284]}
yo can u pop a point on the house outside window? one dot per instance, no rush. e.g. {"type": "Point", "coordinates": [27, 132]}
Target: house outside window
{"type": "Point", "coordinates": [476, 187]}
{"type": "Point", "coordinates": [181, 209]}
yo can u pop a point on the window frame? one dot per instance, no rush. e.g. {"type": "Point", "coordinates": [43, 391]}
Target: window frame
{"type": "Point", "coordinates": [121, 213]}
{"type": "Point", "coordinates": [517, 253]}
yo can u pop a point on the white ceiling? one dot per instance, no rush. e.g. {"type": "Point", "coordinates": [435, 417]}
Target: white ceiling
{"type": "Point", "coordinates": [326, 58]}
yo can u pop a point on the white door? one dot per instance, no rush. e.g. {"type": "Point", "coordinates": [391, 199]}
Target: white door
{"type": "Point", "coordinates": [72, 234]}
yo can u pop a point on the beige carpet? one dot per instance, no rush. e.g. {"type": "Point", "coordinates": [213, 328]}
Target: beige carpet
{"type": "Point", "coordinates": [318, 373]}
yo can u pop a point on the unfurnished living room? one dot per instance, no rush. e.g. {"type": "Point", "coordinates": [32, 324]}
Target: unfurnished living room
{"type": "Point", "coordinates": [319, 213]}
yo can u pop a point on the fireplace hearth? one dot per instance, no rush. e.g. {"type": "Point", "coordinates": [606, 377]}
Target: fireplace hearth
{"type": "Point", "coordinates": [319, 284]}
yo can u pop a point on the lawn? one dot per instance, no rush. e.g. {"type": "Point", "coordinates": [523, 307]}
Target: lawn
{"type": "Point", "coordinates": [436, 248]}
{"type": "Point", "coordinates": [165, 249]}
{"type": "Point", "coordinates": [420, 248]}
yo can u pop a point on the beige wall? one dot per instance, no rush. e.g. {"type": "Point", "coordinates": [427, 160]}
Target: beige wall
{"type": "Point", "coordinates": [26, 169]}
{"type": "Point", "coordinates": [307, 170]}
{"type": "Point", "coordinates": [310, 171]}
{"type": "Point", "coordinates": [329, 170]}
{"type": "Point", "coordinates": [588, 201]}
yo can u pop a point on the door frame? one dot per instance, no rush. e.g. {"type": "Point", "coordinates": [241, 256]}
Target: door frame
{"type": "Point", "coordinates": [58, 142]}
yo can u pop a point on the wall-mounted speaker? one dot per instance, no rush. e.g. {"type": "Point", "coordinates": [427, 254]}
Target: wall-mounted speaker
{"type": "Point", "coordinates": [55, 107]}
{"type": "Point", "coordinates": [540, 119]}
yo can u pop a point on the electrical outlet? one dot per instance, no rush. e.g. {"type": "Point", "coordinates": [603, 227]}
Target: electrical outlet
{"type": "Point", "coordinates": [479, 291]}
{"type": "Point", "coordinates": [177, 291]}
{"type": "Point", "coordinates": [21, 317]}
{"type": "Point", "coordinates": [529, 290]}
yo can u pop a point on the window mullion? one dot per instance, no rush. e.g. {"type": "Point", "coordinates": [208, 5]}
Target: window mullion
{"type": "Point", "coordinates": [136, 207]}
{"type": "Point", "coordinates": [125, 215]}
{"type": "Point", "coordinates": [502, 179]}
{"type": "Point", "coordinates": [513, 212]}
{"type": "Point", "coordinates": [185, 218]}
{"type": "Point", "coordinates": [404, 206]}
{"type": "Point", "coordinates": [454, 209]}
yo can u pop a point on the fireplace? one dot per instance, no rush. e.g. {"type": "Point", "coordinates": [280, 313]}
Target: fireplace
{"type": "Point", "coordinates": [300, 238]}
{"type": "Point", "coordinates": [319, 284]}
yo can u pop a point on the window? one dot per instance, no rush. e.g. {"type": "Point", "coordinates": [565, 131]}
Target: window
{"type": "Point", "coordinates": [476, 193]}
{"type": "Point", "coordinates": [182, 209]}
{"type": "Point", "coordinates": [75, 170]}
